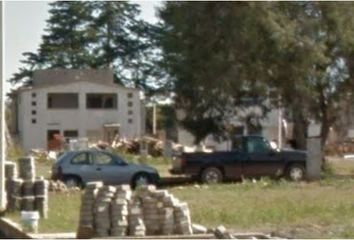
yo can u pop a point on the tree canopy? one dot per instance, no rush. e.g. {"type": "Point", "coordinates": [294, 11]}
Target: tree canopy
{"type": "Point", "coordinates": [219, 52]}
{"type": "Point", "coordinates": [95, 34]}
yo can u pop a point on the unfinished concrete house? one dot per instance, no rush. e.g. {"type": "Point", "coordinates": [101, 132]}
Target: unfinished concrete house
{"type": "Point", "coordinates": [75, 104]}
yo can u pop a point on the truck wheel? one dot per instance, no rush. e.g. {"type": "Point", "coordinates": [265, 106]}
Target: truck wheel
{"type": "Point", "coordinates": [296, 173]}
{"type": "Point", "coordinates": [211, 175]}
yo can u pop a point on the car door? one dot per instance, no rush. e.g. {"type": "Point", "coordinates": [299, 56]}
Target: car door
{"type": "Point", "coordinates": [81, 164]}
{"type": "Point", "coordinates": [111, 169]}
{"type": "Point", "coordinates": [260, 159]}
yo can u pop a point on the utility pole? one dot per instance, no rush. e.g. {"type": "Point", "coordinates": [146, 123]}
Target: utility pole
{"type": "Point", "coordinates": [154, 119]}
{"type": "Point", "coordinates": [2, 126]}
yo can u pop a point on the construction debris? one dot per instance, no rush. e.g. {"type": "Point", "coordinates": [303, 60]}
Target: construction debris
{"type": "Point", "coordinates": [221, 233]}
{"type": "Point", "coordinates": [59, 186]}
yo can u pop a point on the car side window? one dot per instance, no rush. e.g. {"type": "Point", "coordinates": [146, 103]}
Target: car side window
{"type": "Point", "coordinates": [104, 159]}
{"type": "Point", "coordinates": [82, 159]}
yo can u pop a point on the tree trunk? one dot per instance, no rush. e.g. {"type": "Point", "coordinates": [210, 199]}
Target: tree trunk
{"type": "Point", "coordinates": [300, 129]}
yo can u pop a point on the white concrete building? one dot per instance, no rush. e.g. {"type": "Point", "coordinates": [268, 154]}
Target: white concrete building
{"type": "Point", "coordinates": [75, 104]}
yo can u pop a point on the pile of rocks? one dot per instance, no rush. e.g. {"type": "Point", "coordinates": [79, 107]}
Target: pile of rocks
{"type": "Point", "coordinates": [117, 211]}
{"type": "Point", "coordinates": [26, 192]}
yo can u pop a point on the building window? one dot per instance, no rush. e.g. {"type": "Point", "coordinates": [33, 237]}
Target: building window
{"type": "Point", "coordinates": [101, 101]}
{"type": "Point", "coordinates": [130, 112]}
{"type": "Point", "coordinates": [130, 95]}
{"type": "Point", "coordinates": [130, 120]}
{"type": "Point", "coordinates": [34, 103]}
{"type": "Point", "coordinates": [130, 104]}
{"type": "Point", "coordinates": [69, 134]}
{"type": "Point", "coordinates": [63, 100]}
{"type": "Point", "coordinates": [34, 112]}
{"type": "Point", "coordinates": [34, 95]}
{"type": "Point", "coordinates": [34, 121]}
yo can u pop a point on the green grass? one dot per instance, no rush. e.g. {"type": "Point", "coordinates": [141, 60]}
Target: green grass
{"type": "Point", "coordinates": [322, 209]}
{"type": "Point", "coordinates": [274, 206]}
{"type": "Point", "coordinates": [63, 214]}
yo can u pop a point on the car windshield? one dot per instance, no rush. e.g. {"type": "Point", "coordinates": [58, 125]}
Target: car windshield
{"type": "Point", "coordinates": [62, 156]}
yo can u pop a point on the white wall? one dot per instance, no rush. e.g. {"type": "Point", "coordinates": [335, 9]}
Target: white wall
{"type": "Point", "coordinates": [82, 119]}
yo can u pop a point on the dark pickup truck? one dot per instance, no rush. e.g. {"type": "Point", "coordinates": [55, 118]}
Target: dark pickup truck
{"type": "Point", "coordinates": [252, 156]}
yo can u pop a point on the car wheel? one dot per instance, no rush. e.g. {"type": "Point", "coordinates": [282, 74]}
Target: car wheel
{"type": "Point", "coordinates": [296, 173]}
{"type": "Point", "coordinates": [211, 175]}
{"type": "Point", "coordinates": [72, 182]}
{"type": "Point", "coordinates": [141, 179]}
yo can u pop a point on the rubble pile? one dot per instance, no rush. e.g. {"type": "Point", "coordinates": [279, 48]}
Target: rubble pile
{"type": "Point", "coordinates": [24, 191]}
{"type": "Point", "coordinates": [59, 186]}
{"type": "Point", "coordinates": [117, 211]}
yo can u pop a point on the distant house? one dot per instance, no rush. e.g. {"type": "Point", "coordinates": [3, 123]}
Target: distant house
{"type": "Point", "coordinates": [75, 104]}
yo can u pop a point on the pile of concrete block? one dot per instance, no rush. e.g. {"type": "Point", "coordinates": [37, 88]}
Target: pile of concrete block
{"type": "Point", "coordinates": [117, 211]}
{"type": "Point", "coordinates": [27, 168]}
{"type": "Point", "coordinates": [87, 204]}
{"type": "Point", "coordinates": [10, 170]}
{"type": "Point", "coordinates": [24, 191]}
{"type": "Point", "coordinates": [102, 211]}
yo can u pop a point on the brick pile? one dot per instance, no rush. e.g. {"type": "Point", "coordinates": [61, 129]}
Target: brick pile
{"type": "Point", "coordinates": [117, 211]}
{"type": "Point", "coordinates": [24, 191]}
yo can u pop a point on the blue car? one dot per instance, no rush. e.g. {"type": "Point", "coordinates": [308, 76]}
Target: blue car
{"type": "Point", "coordinates": [76, 168]}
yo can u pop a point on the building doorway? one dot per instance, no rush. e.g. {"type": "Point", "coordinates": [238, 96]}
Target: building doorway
{"type": "Point", "coordinates": [54, 140]}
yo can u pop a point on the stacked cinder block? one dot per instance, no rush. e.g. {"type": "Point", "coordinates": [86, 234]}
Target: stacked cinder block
{"type": "Point", "coordinates": [10, 170]}
{"type": "Point", "coordinates": [14, 192]}
{"type": "Point", "coordinates": [182, 218]}
{"type": "Point", "coordinates": [136, 222]}
{"type": "Point", "coordinates": [41, 197]}
{"type": "Point", "coordinates": [87, 204]}
{"type": "Point", "coordinates": [117, 212]}
{"type": "Point", "coordinates": [27, 170]}
{"type": "Point", "coordinates": [102, 210]}
{"type": "Point", "coordinates": [24, 192]}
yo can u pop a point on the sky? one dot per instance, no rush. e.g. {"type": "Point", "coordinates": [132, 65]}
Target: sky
{"type": "Point", "coordinates": [24, 24]}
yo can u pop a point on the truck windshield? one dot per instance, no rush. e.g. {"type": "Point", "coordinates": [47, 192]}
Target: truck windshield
{"type": "Point", "coordinates": [258, 145]}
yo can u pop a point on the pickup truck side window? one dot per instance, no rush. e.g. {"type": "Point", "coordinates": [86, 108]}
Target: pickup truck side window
{"type": "Point", "coordinates": [237, 144]}
{"type": "Point", "coordinates": [258, 145]}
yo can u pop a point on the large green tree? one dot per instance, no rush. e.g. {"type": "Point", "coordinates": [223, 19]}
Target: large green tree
{"type": "Point", "coordinates": [95, 34]}
{"type": "Point", "coordinates": [219, 52]}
